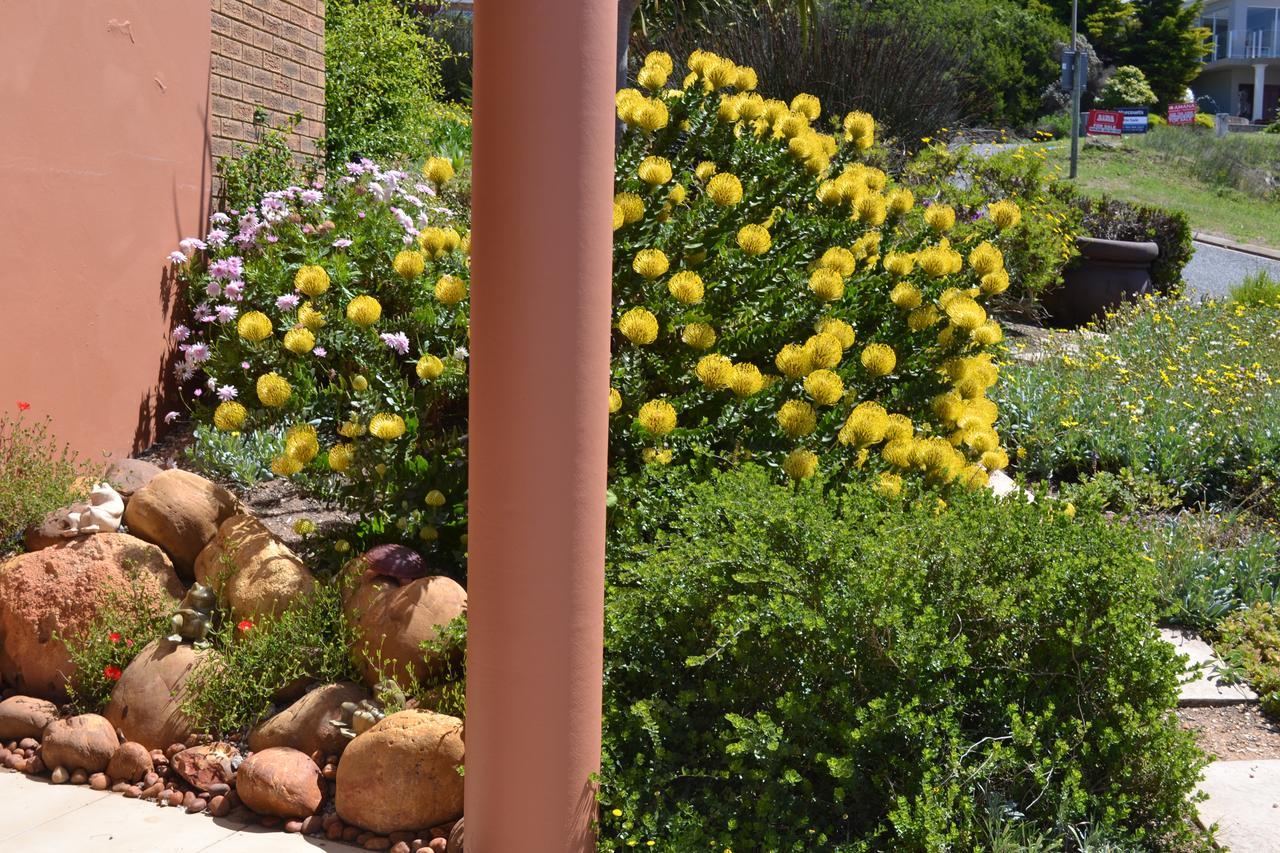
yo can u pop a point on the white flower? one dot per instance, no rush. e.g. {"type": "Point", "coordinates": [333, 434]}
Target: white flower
{"type": "Point", "coordinates": [227, 392]}
{"type": "Point", "coordinates": [171, 417]}
{"type": "Point", "coordinates": [177, 258]}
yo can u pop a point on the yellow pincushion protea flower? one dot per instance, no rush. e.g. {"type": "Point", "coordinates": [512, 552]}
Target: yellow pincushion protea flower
{"type": "Point", "coordinates": [715, 371]}
{"type": "Point", "coordinates": [619, 216]}
{"type": "Point", "coordinates": [285, 466]}
{"type": "Point", "coordinates": [879, 359]}
{"type": "Point", "coordinates": [615, 401]}
{"type": "Point", "coordinates": [948, 407]}
{"type": "Point", "coordinates": [273, 390]}
{"type": "Point", "coordinates": [888, 485]}
{"type": "Point", "coordinates": [935, 261]}
{"type": "Point", "coordinates": [754, 239]}
{"type": "Point", "coordinates": [301, 443]}
{"type": "Point", "coordinates": [229, 416]}
{"type": "Point", "coordinates": [650, 263]}
{"type": "Point", "coordinates": [429, 367]}
{"type": "Point", "coordinates": [254, 326]}
{"type": "Point", "coordinates": [974, 477]}
{"type": "Point", "coordinates": [340, 456]}
{"type": "Point", "coordinates": [360, 383]}
{"type": "Point", "coordinates": [409, 264]}
{"type": "Point", "coordinates": [965, 313]}
{"type": "Point", "coordinates": [654, 171]}
{"type": "Point", "coordinates": [351, 429]}
{"type": "Point", "coordinates": [898, 452]}
{"type": "Point", "coordinates": [987, 334]}
{"type": "Point", "coordinates": [309, 317]}
{"type": "Point", "coordinates": [793, 361]}
{"type": "Point", "coordinates": [699, 336]}
{"type": "Point", "coordinates": [826, 284]}
{"type": "Point", "coordinates": [872, 209]}
{"type": "Point", "coordinates": [899, 201]}
{"type": "Point", "coordinates": [639, 326]}
{"type": "Point", "coordinates": [451, 290]}
{"type": "Point", "coordinates": [807, 105]}
{"type": "Point", "coordinates": [824, 349]}
{"type": "Point", "coordinates": [657, 417]}
{"type": "Point", "coordinates": [860, 129]}
{"type": "Point", "coordinates": [824, 386]}
{"type": "Point", "coordinates": [900, 263]}
{"type": "Point", "coordinates": [686, 287]}
{"type": "Point", "coordinates": [386, 426]}
{"type": "Point", "coordinates": [746, 380]}
{"type": "Point", "coordinates": [922, 318]}
{"type": "Point", "coordinates": [841, 330]}
{"type": "Point", "coordinates": [678, 194]}
{"type": "Point", "coordinates": [986, 258]}
{"type": "Point", "coordinates": [364, 311]}
{"type": "Point", "coordinates": [797, 418]}
{"type": "Point", "coordinates": [437, 170]}
{"type": "Point", "coordinates": [435, 499]}
{"type": "Point", "coordinates": [432, 240]}
{"type": "Point", "coordinates": [800, 464]}
{"type": "Point", "coordinates": [995, 460]}
{"type": "Point", "coordinates": [1005, 214]}
{"type": "Point", "coordinates": [940, 217]}
{"type": "Point", "coordinates": [866, 425]}
{"type": "Point", "coordinates": [299, 340]}
{"type": "Point", "coordinates": [746, 79]}
{"type": "Point", "coordinates": [995, 282]}
{"type": "Point", "coordinates": [704, 170]}
{"type": "Point", "coordinates": [975, 413]}
{"type": "Point", "coordinates": [906, 296]}
{"type": "Point", "coordinates": [657, 455]}
{"type": "Point", "coordinates": [839, 259]}
{"type": "Point", "coordinates": [723, 188]}
{"type": "Point", "coordinates": [632, 207]}
{"type": "Point", "coordinates": [311, 280]}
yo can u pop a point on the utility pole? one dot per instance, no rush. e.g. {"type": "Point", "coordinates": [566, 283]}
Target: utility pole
{"type": "Point", "coordinates": [1075, 89]}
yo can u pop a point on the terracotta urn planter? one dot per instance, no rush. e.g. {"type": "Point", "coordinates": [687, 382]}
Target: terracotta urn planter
{"type": "Point", "coordinates": [1107, 273]}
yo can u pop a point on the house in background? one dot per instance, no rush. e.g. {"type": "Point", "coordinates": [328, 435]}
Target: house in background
{"type": "Point", "coordinates": [1242, 70]}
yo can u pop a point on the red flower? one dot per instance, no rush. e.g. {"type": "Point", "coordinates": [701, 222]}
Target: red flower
{"type": "Point", "coordinates": [112, 672]}
{"type": "Point", "coordinates": [22, 407]}
{"type": "Point", "coordinates": [244, 626]}
{"type": "Point", "coordinates": [129, 643]}
{"type": "Point", "coordinates": [114, 636]}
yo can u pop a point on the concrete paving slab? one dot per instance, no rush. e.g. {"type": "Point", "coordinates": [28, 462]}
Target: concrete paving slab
{"type": "Point", "coordinates": [1204, 688]}
{"type": "Point", "coordinates": [27, 801]}
{"type": "Point", "coordinates": [1244, 802]}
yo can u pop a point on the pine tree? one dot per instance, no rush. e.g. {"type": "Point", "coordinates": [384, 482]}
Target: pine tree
{"type": "Point", "coordinates": [1168, 44]}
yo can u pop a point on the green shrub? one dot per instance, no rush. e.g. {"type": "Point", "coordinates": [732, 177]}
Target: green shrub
{"type": "Point", "coordinates": [1257, 288]}
{"type": "Point", "coordinates": [794, 669]}
{"type": "Point", "coordinates": [1250, 642]}
{"type": "Point", "coordinates": [1187, 392]}
{"type": "Point", "coordinates": [263, 165]}
{"type": "Point", "coordinates": [36, 475]}
{"type": "Point", "coordinates": [1127, 87]}
{"type": "Point", "coordinates": [381, 77]}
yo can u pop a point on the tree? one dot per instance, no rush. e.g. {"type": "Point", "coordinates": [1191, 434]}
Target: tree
{"type": "Point", "coordinates": [1167, 44]}
{"type": "Point", "coordinates": [1127, 87]}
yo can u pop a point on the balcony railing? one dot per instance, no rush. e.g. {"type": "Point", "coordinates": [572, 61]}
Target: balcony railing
{"type": "Point", "coordinates": [1245, 44]}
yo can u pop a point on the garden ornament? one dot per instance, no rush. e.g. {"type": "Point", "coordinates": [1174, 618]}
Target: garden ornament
{"type": "Point", "coordinates": [101, 514]}
{"type": "Point", "coordinates": [194, 617]}
{"type": "Point", "coordinates": [358, 717]}
{"type": "Point", "coordinates": [396, 562]}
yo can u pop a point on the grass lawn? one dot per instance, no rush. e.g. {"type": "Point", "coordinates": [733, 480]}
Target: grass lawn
{"type": "Point", "coordinates": [1132, 171]}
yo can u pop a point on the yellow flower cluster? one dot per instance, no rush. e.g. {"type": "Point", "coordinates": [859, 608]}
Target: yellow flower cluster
{"type": "Point", "coordinates": [437, 170]}
{"type": "Point", "coordinates": [408, 264]}
{"type": "Point", "coordinates": [229, 416]}
{"type": "Point", "coordinates": [311, 280]}
{"type": "Point", "coordinates": [438, 242]}
{"type": "Point", "coordinates": [254, 326]}
{"type": "Point", "coordinates": [386, 426]}
{"type": "Point", "coordinates": [658, 417]}
{"type": "Point", "coordinates": [364, 311]}
{"type": "Point", "coordinates": [273, 390]}
{"type": "Point", "coordinates": [299, 340]}
{"type": "Point", "coordinates": [639, 326]}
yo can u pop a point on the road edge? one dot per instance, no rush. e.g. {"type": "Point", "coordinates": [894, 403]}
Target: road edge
{"type": "Point", "coordinates": [1243, 248]}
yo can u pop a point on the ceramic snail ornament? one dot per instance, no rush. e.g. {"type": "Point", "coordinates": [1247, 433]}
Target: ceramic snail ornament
{"type": "Point", "coordinates": [194, 617]}
{"type": "Point", "coordinates": [101, 514]}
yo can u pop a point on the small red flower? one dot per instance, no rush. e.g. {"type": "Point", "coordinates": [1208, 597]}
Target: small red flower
{"type": "Point", "coordinates": [244, 626]}
{"type": "Point", "coordinates": [112, 672]}
{"type": "Point", "coordinates": [22, 406]}
{"type": "Point", "coordinates": [114, 636]}
{"type": "Point", "coordinates": [129, 643]}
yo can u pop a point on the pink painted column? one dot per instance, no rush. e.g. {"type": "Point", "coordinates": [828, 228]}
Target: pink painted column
{"type": "Point", "coordinates": [541, 265]}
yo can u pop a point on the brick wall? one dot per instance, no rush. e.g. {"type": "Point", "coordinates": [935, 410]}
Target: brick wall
{"type": "Point", "coordinates": [267, 53]}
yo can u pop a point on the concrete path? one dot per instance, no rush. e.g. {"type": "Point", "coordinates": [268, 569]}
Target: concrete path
{"type": "Point", "coordinates": [1204, 688]}
{"type": "Point", "coordinates": [1244, 801]}
{"type": "Point", "coordinates": [37, 816]}
{"type": "Point", "coordinates": [1214, 269]}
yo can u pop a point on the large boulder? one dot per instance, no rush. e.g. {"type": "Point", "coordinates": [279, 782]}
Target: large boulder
{"type": "Point", "coordinates": [393, 621]}
{"type": "Point", "coordinates": [86, 743]}
{"type": "Point", "coordinates": [25, 716]}
{"type": "Point", "coordinates": [127, 476]}
{"type": "Point", "coordinates": [281, 782]}
{"type": "Point", "coordinates": [146, 703]}
{"type": "Point", "coordinates": [403, 773]}
{"type": "Point", "coordinates": [252, 569]}
{"type": "Point", "coordinates": [131, 763]}
{"type": "Point", "coordinates": [180, 512]}
{"type": "Point", "coordinates": [207, 765]}
{"type": "Point", "coordinates": [306, 724]}
{"type": "Point", "coordinates": [56, 593]}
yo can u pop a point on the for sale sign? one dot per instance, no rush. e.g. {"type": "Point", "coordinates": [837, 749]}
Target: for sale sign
{"type": "Point", "coordinates": [1105, 122]}
{"type": "Point", "coordinates": [1135, 119]}
{"type": "Point", "coordinates": [1182, 113]}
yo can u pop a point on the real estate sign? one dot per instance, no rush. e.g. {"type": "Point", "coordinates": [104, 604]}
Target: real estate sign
{"type": "Point", "coordinates": [1135, 119]}
{"type": "Point", "coordinates": [1105, 122]}
{"type": "Point", "coordinates": [1184, 113]}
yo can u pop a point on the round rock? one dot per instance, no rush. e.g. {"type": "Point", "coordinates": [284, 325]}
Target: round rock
{"type": "Point", "coordinates": [280, 782]}
{"type": "Point", "coordinates": [131, 762]}
{"type": "Point", "coordinates": [393, 622]}
{"type": "Point", "coordinates": [207, 767]}
{"type": "Point", "coordinates": [146, 703]}
{"type": "Point", "coordinates": [180, 512]}
{"type": "Point", "coordinates": [25, 716]}
{"type": "Point", "coordinates": [257, 573]}
{"type": "Point", "coordinates": [126, 476]}
{"type": "Point", "coordinates": [86, 743]}
{"type": "Point", "coordinates": [306, 724]}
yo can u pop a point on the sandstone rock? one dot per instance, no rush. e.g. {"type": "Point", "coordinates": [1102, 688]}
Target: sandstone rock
{"type": "Point", "coordinates": [180, 512]}
{"type": "Point", "coordinates": [131, 762]}
{"type": "Point", "coordinates": [57, 591]}
{"type": "Point", "coordinates": [25, 716]}
{"type": "Point", "coordinates": [83, 743]}
{"type": "Point", "coordinates": [126, 476]}
{"type": "Point", "coordinates": [280, 782]}
{"type": "Point", "coordinates": [146, 703]}
{"type": "Point", "coordinates": [394, 621]}
{"type": "Point", "coordinates": [256, 573]}
{"type": "Point", "coordinates": [50, 531]}
{"type": "Point", "coordinates": [207, 767]}
{"type": "Point", "coordinates": [305, 725]}
{"type": "Point", "coordinates": [403, 773]}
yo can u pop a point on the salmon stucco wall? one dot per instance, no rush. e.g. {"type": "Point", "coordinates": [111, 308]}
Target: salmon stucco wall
{"type": "Point", "coordinates": [104, 167]}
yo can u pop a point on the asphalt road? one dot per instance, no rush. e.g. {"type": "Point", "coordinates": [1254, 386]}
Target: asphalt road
{"type": "Point", "coordinates": [1213, 270]}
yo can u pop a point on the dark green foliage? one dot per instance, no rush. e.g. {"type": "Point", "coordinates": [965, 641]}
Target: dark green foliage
{"type": "Point", "coordinates": [263, 165]}
{"type": "Point", "coordinates": [381, 76]}
{"type": "Point", "coordinates": [793, 670]}
{"type": "Point", "coordinates": [1167, 43]}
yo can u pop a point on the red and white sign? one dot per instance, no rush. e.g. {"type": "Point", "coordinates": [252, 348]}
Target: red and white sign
{"type": "Point", "coordinates": [1182, 113]}
{"type": "Point", "coordinates": [1105, 122]}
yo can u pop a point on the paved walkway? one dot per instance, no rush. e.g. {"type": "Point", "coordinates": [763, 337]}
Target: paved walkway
{"type": "Point", "coordinates": [1244, 802]}
{"type": "Point", "coordinates": [37, 816]}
